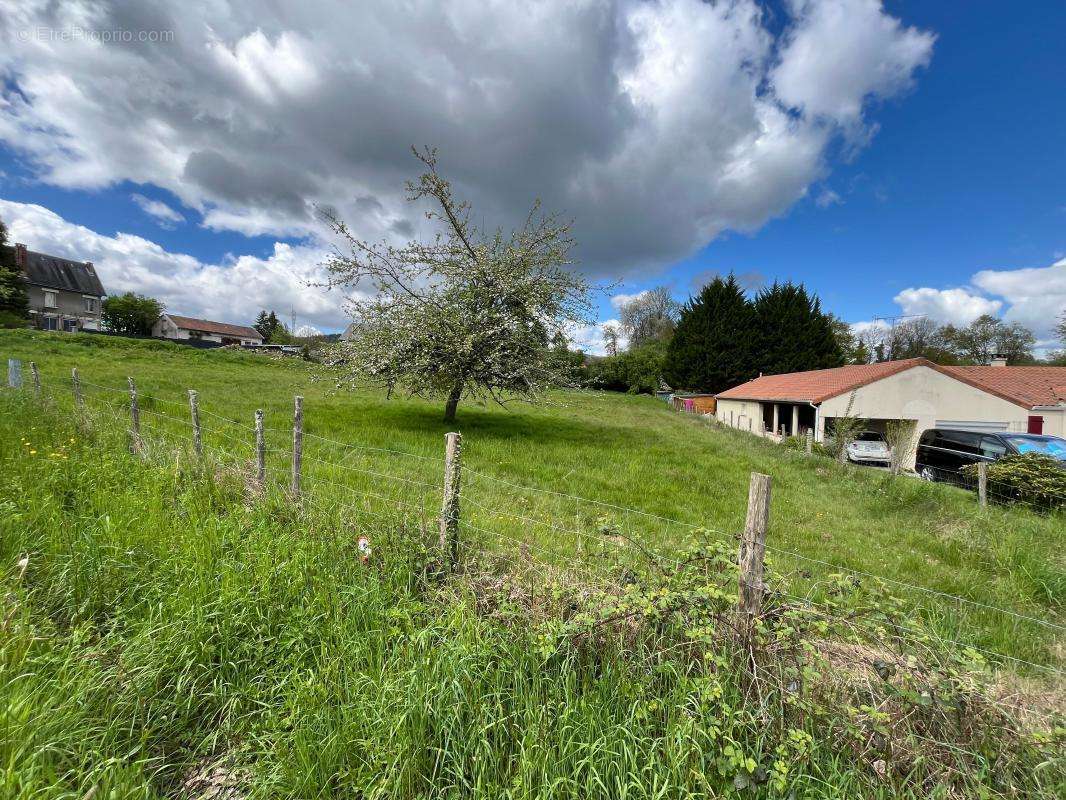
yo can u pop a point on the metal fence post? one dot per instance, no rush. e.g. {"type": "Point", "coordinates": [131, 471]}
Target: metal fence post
{"type": "Point", "coordinates": [751, 555]}
{"type": "Point", "coordinates": [194, 413]}
{"type": "Point", "coordinates": [297, 443]}
{"type": "Point", "coordinates": [36, 378]}
{"type": "Point", "coordinates": [449, 511]}
{"type": "Point", "coordinates": [135, 420]}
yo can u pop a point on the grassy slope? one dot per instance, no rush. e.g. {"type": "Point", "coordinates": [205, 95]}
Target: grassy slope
{"type": "Point", "coordinates": [167, 627]}
{"type": "Point", "coordinates": [629, 451]}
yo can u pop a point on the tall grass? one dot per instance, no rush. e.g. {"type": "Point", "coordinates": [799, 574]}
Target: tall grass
{"type": "Point", "coordinates": [169, 628]}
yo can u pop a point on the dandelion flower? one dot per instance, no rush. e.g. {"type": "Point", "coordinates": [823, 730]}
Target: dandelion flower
{"type": "Point", "coordinates": [33, 452]}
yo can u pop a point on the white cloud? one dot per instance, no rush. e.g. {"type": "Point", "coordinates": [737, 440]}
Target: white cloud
{"type": "Point", "coordinates": [619, 301]}
{"type": "Point", "coordinates": [957, 306]}
{"type": "Point", "coordinates": [1033, 296]}
{"type": "Point", "coordinates": [166, 216]}
{"type": "Point", "coordinates": [1036, 296]}
{"type": "Point", "coordinates": [232, 291]}
{"type": "Point", "coordinates": [589, 338]}
{"type": "Point", "coordinates": [840, 53]}
{"type": "Point", "coordinates": [828, 197]}
{"type": "Point", "coordinates": [656, 125]}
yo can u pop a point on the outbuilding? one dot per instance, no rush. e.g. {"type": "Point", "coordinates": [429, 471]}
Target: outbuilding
{"type": "Point", "coordinates": [997, 397]}
{"type": "Point", "coordinates": [173, 326]}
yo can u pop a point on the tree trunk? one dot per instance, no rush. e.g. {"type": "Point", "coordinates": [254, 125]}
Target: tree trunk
{"type": "Point", "coordinates": [453, 402]}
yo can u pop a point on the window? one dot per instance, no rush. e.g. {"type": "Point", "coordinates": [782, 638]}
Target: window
{"type": "Point", "coordinates": [992, 447]}
{"type": "Point", "coordinates": [70, 325]}
{"type": "Point", "coordinates": [49, 324]}
{"type": "Point", "coordinates": [90, 304]}
{"type": "Point", "coordinates": [51, 299]}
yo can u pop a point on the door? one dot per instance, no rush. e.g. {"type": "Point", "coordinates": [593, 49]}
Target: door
{"type": "Point", "coordinates": [1036, 424]}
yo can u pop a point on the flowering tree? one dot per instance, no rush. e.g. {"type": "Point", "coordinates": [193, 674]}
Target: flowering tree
{"type": "Point", "coordinates": [468, 314]}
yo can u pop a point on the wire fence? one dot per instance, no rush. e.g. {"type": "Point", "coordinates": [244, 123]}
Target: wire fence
{"type": "Point", "coordinates": [988, 489]}
{"type": "Point", "coordinates": [588, 540]}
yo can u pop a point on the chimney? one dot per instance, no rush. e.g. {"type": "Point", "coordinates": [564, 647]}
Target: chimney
{"type": "Point", "coordinates": [998, 361]}
{"type": "Point", "coordinates": [20, 256]}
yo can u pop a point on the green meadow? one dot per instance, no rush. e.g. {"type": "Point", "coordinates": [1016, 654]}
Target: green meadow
{"type": "Point", "coordinates": [166, 627]}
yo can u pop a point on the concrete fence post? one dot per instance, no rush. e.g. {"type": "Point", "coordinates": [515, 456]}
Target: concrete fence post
{"type": "Point", "coordinates": [751, 556]}
{"type": "Point", "coordinates": [194, 414]}
{"type": "Point", "coordinates": [297, 443]}
{"type": "Point", "coordinates": [810, 441]}
{"type": "Point", "coordinates": [449, 511]}
{"type": "Point", "coordinates": [14, 373]}
{"type": "Point", "coordinates": [982, 484]}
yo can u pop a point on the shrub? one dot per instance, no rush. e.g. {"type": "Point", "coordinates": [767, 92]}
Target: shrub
{"type": "Point", "coordinates": [638, 370]}
{"type": "Point", "coordinates": [9, 319]}
{"type": "Point", "coordinates": [1032, 478]}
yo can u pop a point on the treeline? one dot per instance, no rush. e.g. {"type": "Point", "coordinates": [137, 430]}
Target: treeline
{"type": "Point", "coordinates": [722, 337]}
{"type": "Point", "coordinates": [719, 338]}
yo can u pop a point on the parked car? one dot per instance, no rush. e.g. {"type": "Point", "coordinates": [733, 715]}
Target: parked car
{"type": "Point", "coordinates": [869, 447]}
{"type": "Point", "coordinates": [942, 452]}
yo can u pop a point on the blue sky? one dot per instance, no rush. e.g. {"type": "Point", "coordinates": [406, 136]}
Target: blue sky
{"type": "Point", "coordinates": [938, 189]}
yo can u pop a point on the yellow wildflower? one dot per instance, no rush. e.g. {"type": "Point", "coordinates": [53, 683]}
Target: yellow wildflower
{"type": "Point", "coordinates": [33, 452]}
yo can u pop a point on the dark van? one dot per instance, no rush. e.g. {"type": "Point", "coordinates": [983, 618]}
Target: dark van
{"type": "Point", "coordinates": [942, 452]}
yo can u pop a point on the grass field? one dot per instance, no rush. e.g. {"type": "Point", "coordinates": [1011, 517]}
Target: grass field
{"type": "Point", "coordinates": [169, 631]}
{"type": "Point", "coordinates": [627, 451]}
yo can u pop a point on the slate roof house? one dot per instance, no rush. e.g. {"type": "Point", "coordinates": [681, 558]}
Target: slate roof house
{"type": "Point", "coordinates": [172, 326]}
{"type": "Point", "coordinates": [997, 397]}
{"type": "Point", "coordinates": [64, 295]}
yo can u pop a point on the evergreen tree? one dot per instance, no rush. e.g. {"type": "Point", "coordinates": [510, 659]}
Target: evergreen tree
{"type": "Point", "coordinates": [267, 324]}
{"type": "Point", "coordinates": [794, 334]}
{"type": "Point", "coordinates": [14, 302]}
{"type": "Point", "coordinates": [711, 350]}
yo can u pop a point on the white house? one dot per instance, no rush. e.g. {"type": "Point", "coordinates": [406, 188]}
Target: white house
{"type": "Point", "coordinates": [171, 326]}
{"type": "Point", "coordinates": [995, 398]}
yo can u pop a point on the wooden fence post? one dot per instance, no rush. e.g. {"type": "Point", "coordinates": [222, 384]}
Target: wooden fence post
{"type": "Point", "coordinates": [36, 378]}
{"type": "Point", "coordinates": [135, 420]}
{"type": "Point", "coordinates": [75, 383]}
{"type": "Point", "coordinates": [982, 484]}
{"type": "Point", "coordinates": [14, 373]}
{"type": "Point", "coordinates": [449, 510]}
{"type": "Point", "coordinates": [297, 444]}
{"type": "Point", "coordinates": [194, 413]}
{"type": "Point", "coordinates": [260, 449]}
{"type": "Point", "coordinates": [751, 555]}
{"type": "Point", "coordinates": [810, 440]}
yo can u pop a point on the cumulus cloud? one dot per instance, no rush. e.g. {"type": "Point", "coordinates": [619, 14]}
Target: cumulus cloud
{"type": "Point", "coordinates": [232, 291]}
{"type": "Point", "coordinates": [957, 306]}
{"type": "Point", "coordinates": [1032, 296]}
{"type": "Point", "coordinates": [655, 125]}
{"type": "Point", "coordinates": [620, 301]}
{"type": "Point", "coordinates": [1036, 297]}
{"type": "Point", "coordinates": [166, 216]}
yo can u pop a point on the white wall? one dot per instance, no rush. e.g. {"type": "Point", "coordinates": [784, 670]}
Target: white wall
{"type": "Point", "coordinates": [925, 396]}
{"type": "Point", "coordinates": [742, 414]}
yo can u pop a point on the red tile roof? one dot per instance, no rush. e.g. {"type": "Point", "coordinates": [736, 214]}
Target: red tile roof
{"type": "Point", "coordinates": [1025, 386]}
{"type": "Point", "coordinates": [221, 328]}
{"type": "Point", "coordinates": [817, 385]}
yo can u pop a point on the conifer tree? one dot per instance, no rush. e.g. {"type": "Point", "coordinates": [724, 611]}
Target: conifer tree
{"type": "Point", "coordinates": [711, 348]}
{"type": "Point", "coordinates": [794, 333]}
{"type": "Point", "coordinates": [13, 298]}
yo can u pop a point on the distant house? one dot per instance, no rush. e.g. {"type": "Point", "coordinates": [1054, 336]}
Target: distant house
{"type": "Point", "coordinates": [64, 295]}
{"type": "Point", "coordinates": [171, 326]}
{"type": "Point", "coordinates": [997, 397]}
